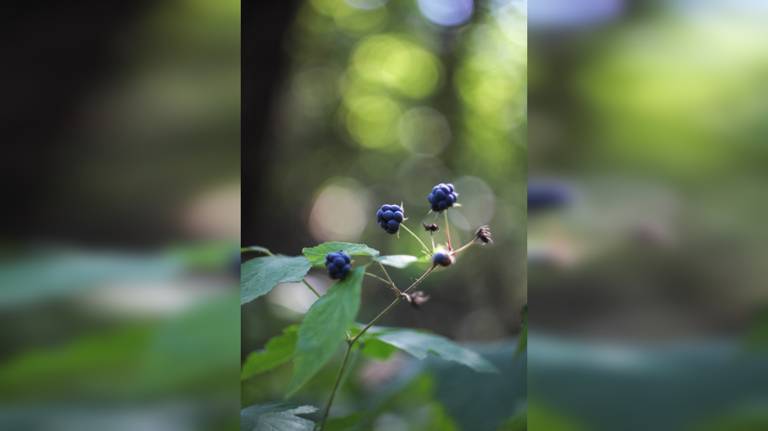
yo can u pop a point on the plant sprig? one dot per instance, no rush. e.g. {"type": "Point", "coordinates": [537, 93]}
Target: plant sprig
{"type": "Point", "coordinates": [330, 318]}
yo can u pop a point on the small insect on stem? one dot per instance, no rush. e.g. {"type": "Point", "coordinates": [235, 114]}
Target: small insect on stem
{"type": "Point", "coordinates": [417, 298]}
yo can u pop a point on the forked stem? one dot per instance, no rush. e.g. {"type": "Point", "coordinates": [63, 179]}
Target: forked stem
{"type": "Point", "coordinates": [391, 286]}
{"type": "Point", "coordinates": [351, 343]}
{"type": "Point", "coordinates": [423, 246]}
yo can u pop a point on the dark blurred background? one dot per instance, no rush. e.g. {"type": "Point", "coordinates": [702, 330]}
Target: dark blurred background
{"type": "Point", "coordinates": [120, 223]}
{"type": "Point", "coordinates": [373, 102]}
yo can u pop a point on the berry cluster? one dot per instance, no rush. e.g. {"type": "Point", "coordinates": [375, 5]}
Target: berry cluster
{"type": "Point", "coordinates": [389, 217]}
{"type": "Point", "coordinates": [338, 264]}
{"type": "Point", "coordinates": [442, 197]}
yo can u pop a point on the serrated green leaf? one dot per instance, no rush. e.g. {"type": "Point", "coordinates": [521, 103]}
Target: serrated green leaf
{"type": "Point", "coordinates": [256, 249]}
{"type": "Point", "coordinates": [258, 276]}
{"type": "Point", "coordinates": [397, 261]}
{"type": "Point", "coordinates": [279, 350]}
{"type": "Point", "coordinates": [276, 417]}
{"type": "Point", "coordinates": [324, 327]}
{"type": "Point", "coordinates": [421, 344]}
{"type": "Point", "coordinates": [316, 254]}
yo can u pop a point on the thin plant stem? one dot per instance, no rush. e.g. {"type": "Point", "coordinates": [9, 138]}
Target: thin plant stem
{"type": "Point", "coordinates": [306, 283]}
{"type": "Point", "coordinates": [420, 279]}
{"type": "Point", "coordinates": [376, 319]}
{"type": "Point", "coordinates": [448, 230]}
{"type": "Point", "coordinates": [391, 287]}
{"type": "Point", "coordinates": [423, 246]}
{"type": "Point", "coordinates": [336, 385]}
{"type": "Point", "coordinates": [382, 279]}
{"type": "Point", "coordinates": [392, 304]}
{"type": "Point", "coordinates": [351, 344]}
{"type": "Point", "coordinates": [463, 247]}
{"type": "Point", "coordinates": [386, 274]}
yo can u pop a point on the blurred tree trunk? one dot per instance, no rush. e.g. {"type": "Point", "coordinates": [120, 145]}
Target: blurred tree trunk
{"type": "Point", "coordinates": [264, 26]}
{"type": "Point", "coordinates": [54, 56]}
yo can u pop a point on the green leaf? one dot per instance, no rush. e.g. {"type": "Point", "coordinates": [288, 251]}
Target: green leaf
{"type": "Point", "coordinates": [258, 276]}
{"type": "Point", "coordinates": [207, 255]}
{"type": "Point", "coordinates": [133, 359]}
{"type": "Point", "coordinates": [421, 344]}
{"type": "Point", "coordinates": [82, 367]}
{"type": "Point", "coordinates": [256, 249]}
{"type": "Point", "coordinates": [316, 254]}
{"type": "Point", "coordinates": [168, 363]}
{"type": "Point", "coordinates": [46, 274]}
{"type": "Point", "coordinates": [324, 327]}
{"type": "Point", "coordinates": [374, 348]}
{"type": "Point", "coordinates": [279, 350]}
{"type": "Point", "coordinates": [397, 261]}
{"type": "Point", "coordinates": [276, 417]}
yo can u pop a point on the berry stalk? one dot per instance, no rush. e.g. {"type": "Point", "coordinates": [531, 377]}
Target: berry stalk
{"type": "Point", "coordinates": [448, 230]}
{"type": "Point", "coordinates": [423, 246]}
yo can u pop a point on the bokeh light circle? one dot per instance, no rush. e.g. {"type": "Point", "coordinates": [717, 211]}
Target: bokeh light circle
{"type": "Point", "coordinates": [424, 131]}
{"type": "Point", "coordinates": [478, 203]}
{"type": "Point", "coordinates": [372, 120]}
{"type": "Point", "coordinates": [340, 211]}
{"type": "Point", "coordinates": [396, 63]}
{"type": "Point", "coordinates": [446, 12]}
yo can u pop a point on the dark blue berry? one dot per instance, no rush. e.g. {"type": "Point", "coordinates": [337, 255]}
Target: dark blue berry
{"type": "Point", "coordinates": [442, 258]}
{"type": "Point", "coordinates": [389, 218]}
{"type": "Point", "coordinates": [442, 197]}
{"type": "Point", "coordinates": [338, 264]}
